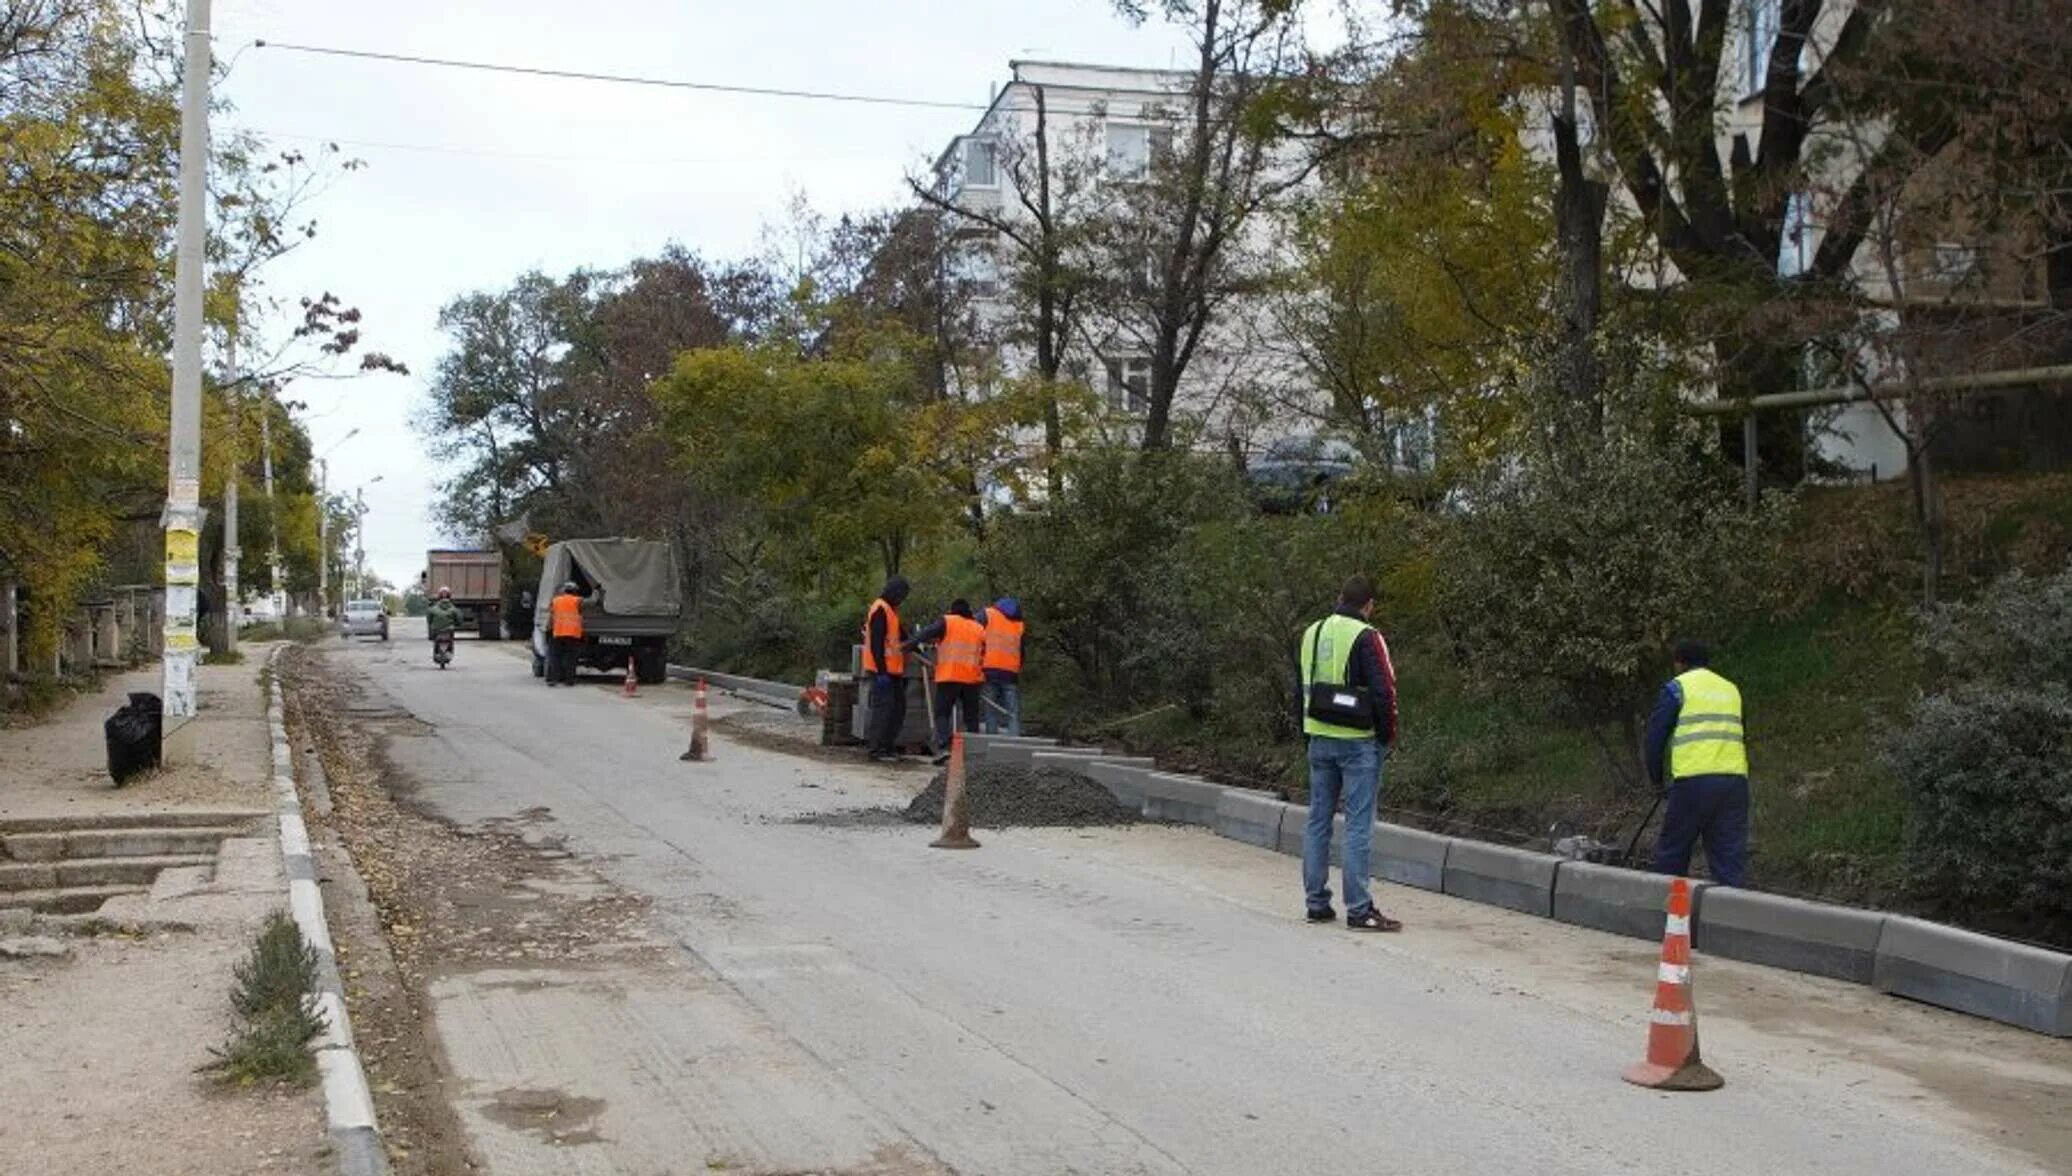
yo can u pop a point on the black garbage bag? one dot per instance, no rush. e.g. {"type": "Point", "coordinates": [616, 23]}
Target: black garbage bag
{"type": "Point", "coordinates": [133, 737]}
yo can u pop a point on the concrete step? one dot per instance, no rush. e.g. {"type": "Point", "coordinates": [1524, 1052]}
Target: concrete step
{"type": "Point", "coordinates": [70, 900]}
{"type": "Point", "coordinates": [120, 871]}
{"type": "Point", "coordinates": [178, 819]}
{"type": "Point", "coordinates": [58, 845]}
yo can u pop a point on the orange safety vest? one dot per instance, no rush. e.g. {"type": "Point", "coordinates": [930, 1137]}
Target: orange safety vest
{"type": "Point", "coordinates": [1003, 642]}
{"type": "Point", "coordinates": [958, 654]}
{"type": "Point", "coordinates": [568, 615]}
{"type": "Point", "coordinates": [895, 657]}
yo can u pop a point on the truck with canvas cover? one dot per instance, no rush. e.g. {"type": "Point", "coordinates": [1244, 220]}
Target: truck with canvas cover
{"type": "Point", "coordinates": [477, 580]}
{"type": "Point", "coordinates": [631, 603]}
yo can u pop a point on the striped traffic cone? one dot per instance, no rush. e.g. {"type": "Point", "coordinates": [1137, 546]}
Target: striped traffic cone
{"type": "Point", "coordinates": [632, 679]}
{"type": "Point", "coordinates": [1672, 1059]}
{"type": "Point", "coordinates": [956, 825]}
{"type": "Point", "coordinates": [698, 750]}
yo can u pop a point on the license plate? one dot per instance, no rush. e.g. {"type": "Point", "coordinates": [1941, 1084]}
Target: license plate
{"type": "Point", "coordinates": [615, 640]}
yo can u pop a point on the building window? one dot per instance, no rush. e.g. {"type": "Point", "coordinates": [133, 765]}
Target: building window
{"type": "Point", "coordinates": [1129, 385]}
{"type": "Point", "coordinates": [976, 266]}
{"type": "Point", "coordinates": [1133, 146]}
{"type": "Point", "coordinates": [1953, 263]}
{"type": "Point", "coordinates": [1763, 21]}
{"type": "Point", "coordinates": [979, 171]}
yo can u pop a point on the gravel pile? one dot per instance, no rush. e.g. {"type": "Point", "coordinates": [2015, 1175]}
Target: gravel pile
{"type": "Point", "coordinates": [999, 796]}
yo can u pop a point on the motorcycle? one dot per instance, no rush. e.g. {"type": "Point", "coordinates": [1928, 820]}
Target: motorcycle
{"type": "Point", "coordinates": [442, 649]}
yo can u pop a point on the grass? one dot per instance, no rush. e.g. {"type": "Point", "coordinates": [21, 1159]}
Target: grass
{"type": "Point", "coordinates": [223, 657]}
{"type": "Point", "coordinates": [300, 629]}
{"type": "Point", "coordinates": [276, 1016]}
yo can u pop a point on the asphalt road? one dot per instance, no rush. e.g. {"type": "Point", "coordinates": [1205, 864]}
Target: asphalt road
{"type": "Point", "coordinates": [1107, 1001]}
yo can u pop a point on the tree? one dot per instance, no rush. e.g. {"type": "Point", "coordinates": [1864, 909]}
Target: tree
{"type": "Point", "coordinates": [1169, 249]}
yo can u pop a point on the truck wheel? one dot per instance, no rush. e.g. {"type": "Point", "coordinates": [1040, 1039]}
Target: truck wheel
{"type": "Point", "coordinates": [651, 665]}
{"type": "Point", "coordinates": [486, 627]}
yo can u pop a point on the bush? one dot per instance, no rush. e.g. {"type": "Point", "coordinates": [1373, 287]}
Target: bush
{"type": "Point", "coordinates": [1989, 833]}
{"type": "Point", "coordinates": [1989, 839]}
{"type": "Point", "coordinates": [277, 1018]}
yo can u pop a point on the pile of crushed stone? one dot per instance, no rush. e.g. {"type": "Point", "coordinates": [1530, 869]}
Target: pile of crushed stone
{"type": "Point", "coordinates": [1002, 796]}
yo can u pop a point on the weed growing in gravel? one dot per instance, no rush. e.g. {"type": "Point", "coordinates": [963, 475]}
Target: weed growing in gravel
{"type": "Point", "coordinates": [277, 1019]}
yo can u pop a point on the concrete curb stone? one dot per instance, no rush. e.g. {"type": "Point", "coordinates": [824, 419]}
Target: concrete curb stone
{"type": "Point", "coordinates": [1790, 933]}
{"type": "Point", "coordinates": [1186, 799]}
{"type": "Point", "coordinates": [1516, 879]}
{"type": "Point", "coordinates": [1621, 901]}
{"type": "Point", "coordinates": [1973, 973]}
{"type": "Point", "coordinates": [1410, 857]}
{"type": "Point", "coordinates": [348, 1104]}
{"type": "Point", "coordinates": [1254, 818]}
{"type": "Point", "coordinates": [1125, 779]}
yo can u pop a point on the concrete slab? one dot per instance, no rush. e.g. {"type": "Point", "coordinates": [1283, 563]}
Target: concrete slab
{"type": "Point", "coordinates": [1787, 933]}
{"type": "Point", "coordinates": [1978, 974]}
{"type": "Point", "coordinates": [1624, 902]}
{"type": "Point", "coordinates": [1125, 779]}
{"type": "Point", "coordinates": [1001, 748]}
{"type": "Point", "coordinates": [1254, 818]}
{"type": "Point", "coordinates": [1187, 799]}
{"type": "Point", "coordinates": [1297, 821]}
{"type": "Point", "coordinates": [1515, 879]}
{"type": "Point", "coordinates": [1024, 754]}
{"type": "Point", "coordinates": [1410, 857]}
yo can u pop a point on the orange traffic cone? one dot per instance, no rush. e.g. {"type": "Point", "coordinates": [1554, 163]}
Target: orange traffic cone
{"type": "Point", "coordinates": [632, 679]}
{"type": "Point", "coordinates": [956, 826]}
{"type": "Point", "coordinates": [698, 742]}
{"type": "Point", "coordinates": [1672, 1058]}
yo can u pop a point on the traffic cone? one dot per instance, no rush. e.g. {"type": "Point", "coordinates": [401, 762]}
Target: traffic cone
{"type": "Point", "coordinates": [956, 826]}
{"type": "Point", "coordinates": [698, 744]}
{"type": "Point", "coordinates": [632, 679]}
{"type": "Point", "coordinates": [1672, 1058]}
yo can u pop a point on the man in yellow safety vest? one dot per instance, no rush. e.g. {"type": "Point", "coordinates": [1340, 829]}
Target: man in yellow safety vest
{"type": "Point", "coordinates": [1697, 755]}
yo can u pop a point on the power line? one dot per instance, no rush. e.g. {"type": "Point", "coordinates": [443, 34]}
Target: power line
{"type": "Point", "coordinates": [619, 79]}
{"type": "Point", "coordinates": [533, 156]}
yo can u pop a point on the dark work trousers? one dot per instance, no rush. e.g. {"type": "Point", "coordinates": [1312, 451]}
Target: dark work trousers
{"type": "Point", "coordinates": [888, 713]}
{"type": "Point", "coordinates": [950, 697]}
{"type": "Point", "coordinates": [561, 659]}
{"type": "Point", "coordinates": [1711, 808]}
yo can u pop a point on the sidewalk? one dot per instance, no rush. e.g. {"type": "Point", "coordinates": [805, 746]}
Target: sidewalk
{"type": "Point", "coordinates": [101, 1042]}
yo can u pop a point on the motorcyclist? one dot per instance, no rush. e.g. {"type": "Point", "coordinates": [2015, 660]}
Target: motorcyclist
{"type": "Point", "coordinates": [442, 618]}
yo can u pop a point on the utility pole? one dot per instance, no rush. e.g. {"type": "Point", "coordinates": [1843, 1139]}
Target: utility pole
{"type": "Point", "coordinates": [360, 544]}
{"type": "Point", "coordinates": [233, 603]}
{"type": "Point", "coordinates": [183, 473]}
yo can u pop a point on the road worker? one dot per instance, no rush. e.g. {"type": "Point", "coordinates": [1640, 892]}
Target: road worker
{"type": "Point", "coordinates": [566, 613]}
{"type": "Point", "coordinates": [960, 644]}
{"type": "Point", "coordinates": [1696, 755]}
{"type": "Point", "coordinates": [1003, 666]}
{"type": "Point", "coordinates": [1348, 708]}
{"type": "Point", "coordinates": [884, 664]}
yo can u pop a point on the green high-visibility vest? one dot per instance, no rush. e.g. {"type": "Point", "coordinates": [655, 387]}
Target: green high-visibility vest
{"type": "Point", "coordinates": [1329, 653]}
{"type": "Point", "coordinates": [1708, 737]}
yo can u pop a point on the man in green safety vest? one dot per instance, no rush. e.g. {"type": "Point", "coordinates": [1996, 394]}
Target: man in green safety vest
{"type": "Point", "coordinates": [1697, 755]}
{"type": "Point", "coordinates": [1348, 709]}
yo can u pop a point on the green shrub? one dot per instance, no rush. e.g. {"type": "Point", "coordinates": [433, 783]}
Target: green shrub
{"type": "Point", "coordinates": [276, 1015]}
{"type": "Point", "coordinates": [1989, 839]}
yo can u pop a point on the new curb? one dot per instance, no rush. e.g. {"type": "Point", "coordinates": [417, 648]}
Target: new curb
{"type": "Point", "coordinates": [348, 1104]}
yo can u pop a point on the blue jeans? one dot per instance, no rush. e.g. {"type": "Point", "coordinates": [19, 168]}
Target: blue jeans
{"type": "Point", "coordinates": [1347, 772]}
{"type": "Point", "coordinates": [1714, 808]}
{"type": "Point", "coordinates": [1009, 696]}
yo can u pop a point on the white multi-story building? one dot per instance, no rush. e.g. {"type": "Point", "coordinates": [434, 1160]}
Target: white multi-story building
{"type": "Point", "coordinates": [1104, 128]}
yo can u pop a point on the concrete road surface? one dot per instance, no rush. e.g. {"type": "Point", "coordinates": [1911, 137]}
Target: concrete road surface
{"type": "Point", "coordinates": [1111, 1001]}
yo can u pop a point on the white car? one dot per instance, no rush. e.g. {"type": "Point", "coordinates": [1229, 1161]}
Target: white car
{"type": "Point", "coordinates": [364, 618]}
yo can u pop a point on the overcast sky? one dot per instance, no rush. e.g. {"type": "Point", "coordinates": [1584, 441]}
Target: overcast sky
{"type": "Point", "coordinates": [473, 178]}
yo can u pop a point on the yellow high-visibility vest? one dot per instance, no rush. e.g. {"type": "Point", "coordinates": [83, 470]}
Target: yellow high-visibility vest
{"type": "Point", "coordinates": [1708, 737]}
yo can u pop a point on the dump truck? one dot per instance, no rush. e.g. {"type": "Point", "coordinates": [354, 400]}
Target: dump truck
{"type": "Point", "coordinates": [631, 604]}
{"type": "Point", "coordinates": [477, 580]}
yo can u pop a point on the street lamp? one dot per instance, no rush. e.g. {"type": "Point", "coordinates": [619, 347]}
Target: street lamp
{"type": "Point", "coordinates": [324, 524]}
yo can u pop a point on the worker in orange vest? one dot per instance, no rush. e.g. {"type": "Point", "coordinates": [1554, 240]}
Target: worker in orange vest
{"type": "Point", "coordinates": [884, 666]}
{"type": "Point", "coordinates": [566, 635]}
{"type": "Point", "coordinates": [1003, 665]}
{"type": "Point", "coordinates": [960, 650]}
